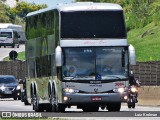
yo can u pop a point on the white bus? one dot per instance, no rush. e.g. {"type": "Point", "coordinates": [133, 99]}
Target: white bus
{"type": "Point", "coordinates": [77, 55]}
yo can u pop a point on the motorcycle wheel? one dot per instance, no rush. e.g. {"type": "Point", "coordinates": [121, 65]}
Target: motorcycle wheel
{"type": "Point", "coordinates": [133, 105]}
{"type": "Point", "coordinates": [129, 106]}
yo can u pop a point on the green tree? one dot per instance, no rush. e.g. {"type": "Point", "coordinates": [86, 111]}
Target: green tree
{"type": "Point", "coordinates": [3, 9]}
{"type": "Point", "coordinates": [155, 11]}
{"type": "Point", "coordinates": [23, 8]}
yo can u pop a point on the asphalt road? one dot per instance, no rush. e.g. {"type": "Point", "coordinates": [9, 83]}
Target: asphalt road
{"type": "Point", "coordinates": [139, 112]}
{"type": "Point", "coordinates": [4, 52]}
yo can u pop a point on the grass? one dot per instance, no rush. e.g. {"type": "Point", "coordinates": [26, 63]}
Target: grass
{"type": "Point", "coordinates": [146, 42]}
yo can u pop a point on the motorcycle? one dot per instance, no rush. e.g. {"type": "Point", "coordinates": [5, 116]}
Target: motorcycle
{"type": "Point", "coordinates": [132, 96]}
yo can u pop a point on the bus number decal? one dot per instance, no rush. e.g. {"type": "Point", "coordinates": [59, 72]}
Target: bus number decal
{"type": "Point", "coordinates": [119, 84]}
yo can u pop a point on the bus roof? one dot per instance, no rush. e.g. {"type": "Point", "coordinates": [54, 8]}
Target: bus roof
{"type": "Point", "coordinates": [80, 6]}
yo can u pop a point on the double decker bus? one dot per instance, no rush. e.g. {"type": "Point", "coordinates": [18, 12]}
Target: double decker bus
{"type": "Point", "coordinates": [77, 54]}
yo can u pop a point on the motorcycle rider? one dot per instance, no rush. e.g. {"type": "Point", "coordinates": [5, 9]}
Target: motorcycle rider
{"type": "Point", "coordinates": [133, 82]}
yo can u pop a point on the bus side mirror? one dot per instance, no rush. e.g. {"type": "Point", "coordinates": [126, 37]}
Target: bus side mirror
{"type": "Point", "coordinates": [58, 56]}
{"type": "Point", "coordinates": [132, 55]}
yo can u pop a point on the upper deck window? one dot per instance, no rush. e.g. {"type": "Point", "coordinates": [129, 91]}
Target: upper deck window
{"type": "Point", "coordinates": [93, 24]}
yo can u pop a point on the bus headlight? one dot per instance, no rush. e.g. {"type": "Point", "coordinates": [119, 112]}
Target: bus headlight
{"type": "Point", "coordinates": [70, 90]}
{"type": "Point", "coordinates": [133, 89]}
{"type": "Point", "coordinates": [120, 90]}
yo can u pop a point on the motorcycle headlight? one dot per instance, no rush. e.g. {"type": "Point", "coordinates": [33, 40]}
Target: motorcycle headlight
{"type": "Point", "coordinates": [133, 89]}
{"type": "Point", "coordinates": [18, 87]}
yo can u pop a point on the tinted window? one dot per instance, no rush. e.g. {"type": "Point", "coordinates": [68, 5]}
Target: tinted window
{"type": "Point", "coordinates": [93, 24]}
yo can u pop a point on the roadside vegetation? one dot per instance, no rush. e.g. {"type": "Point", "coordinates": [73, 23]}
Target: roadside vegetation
{"type": "Point", "coordinates": [142, 22]}
{"type": "Point", "coordinates": [16, 14]}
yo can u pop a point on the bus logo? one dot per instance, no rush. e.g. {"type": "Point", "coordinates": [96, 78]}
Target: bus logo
{"type": "Point", "coordinates": [96, 90]}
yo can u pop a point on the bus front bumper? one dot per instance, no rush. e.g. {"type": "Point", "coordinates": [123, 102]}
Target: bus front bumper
{"type": "Point", "coordinates": [102, 98]}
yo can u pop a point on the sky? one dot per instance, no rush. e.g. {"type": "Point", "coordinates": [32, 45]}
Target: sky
{"type": "Point", "coordinates": [49, 2]}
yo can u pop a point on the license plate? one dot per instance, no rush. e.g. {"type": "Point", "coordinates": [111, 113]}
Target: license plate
{"type": "Point", "coordinates": [96, 98]}
{"type": "Point", "coordinates": [8, 92]}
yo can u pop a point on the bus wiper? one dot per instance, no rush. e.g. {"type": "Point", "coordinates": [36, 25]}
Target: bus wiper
{"type": "Point", "coordinates": [79, 78]}
{"type": "Point", "coordinates": [115, 77]}
{"type": "Point", "coordinates": [69, 78]}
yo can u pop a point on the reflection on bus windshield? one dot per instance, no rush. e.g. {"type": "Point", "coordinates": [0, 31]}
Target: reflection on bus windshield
{"type": "Point", "coordinates": [101, 61]}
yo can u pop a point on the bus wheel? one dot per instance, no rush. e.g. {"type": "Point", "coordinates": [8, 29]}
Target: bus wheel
{"type": "Point", "coordinates": [55, 106]}
{"type": "Point", "coordinates": [53, 100]}
{"type": "Point", "coordinates": [12, 46]}
{"type": "Point", "coordinates": [114, 107]}
{"type": "Point", "coordinates": [33, 101]}
{"type": "Point", "coordinates": [37, 107]}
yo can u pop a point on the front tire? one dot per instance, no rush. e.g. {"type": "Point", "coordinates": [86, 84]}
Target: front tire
{"type": "Point", "coordinates": [53, 100]}
{"type": "Point", "coordinates": [56, 107]}
{"type": "Point", "coordinates": [37, 107]}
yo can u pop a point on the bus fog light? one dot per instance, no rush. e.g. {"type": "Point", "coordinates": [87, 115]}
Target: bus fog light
{"type": "Point", "coordinates": [65, 98]}
{"type": "Point", "coordinates": [70, 90]}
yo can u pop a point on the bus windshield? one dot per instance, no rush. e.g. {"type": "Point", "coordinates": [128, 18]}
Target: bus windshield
{"type": "Point", "coordinates": [100, 63]}
{"type": "Point", "coordinates": [93, 24]}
